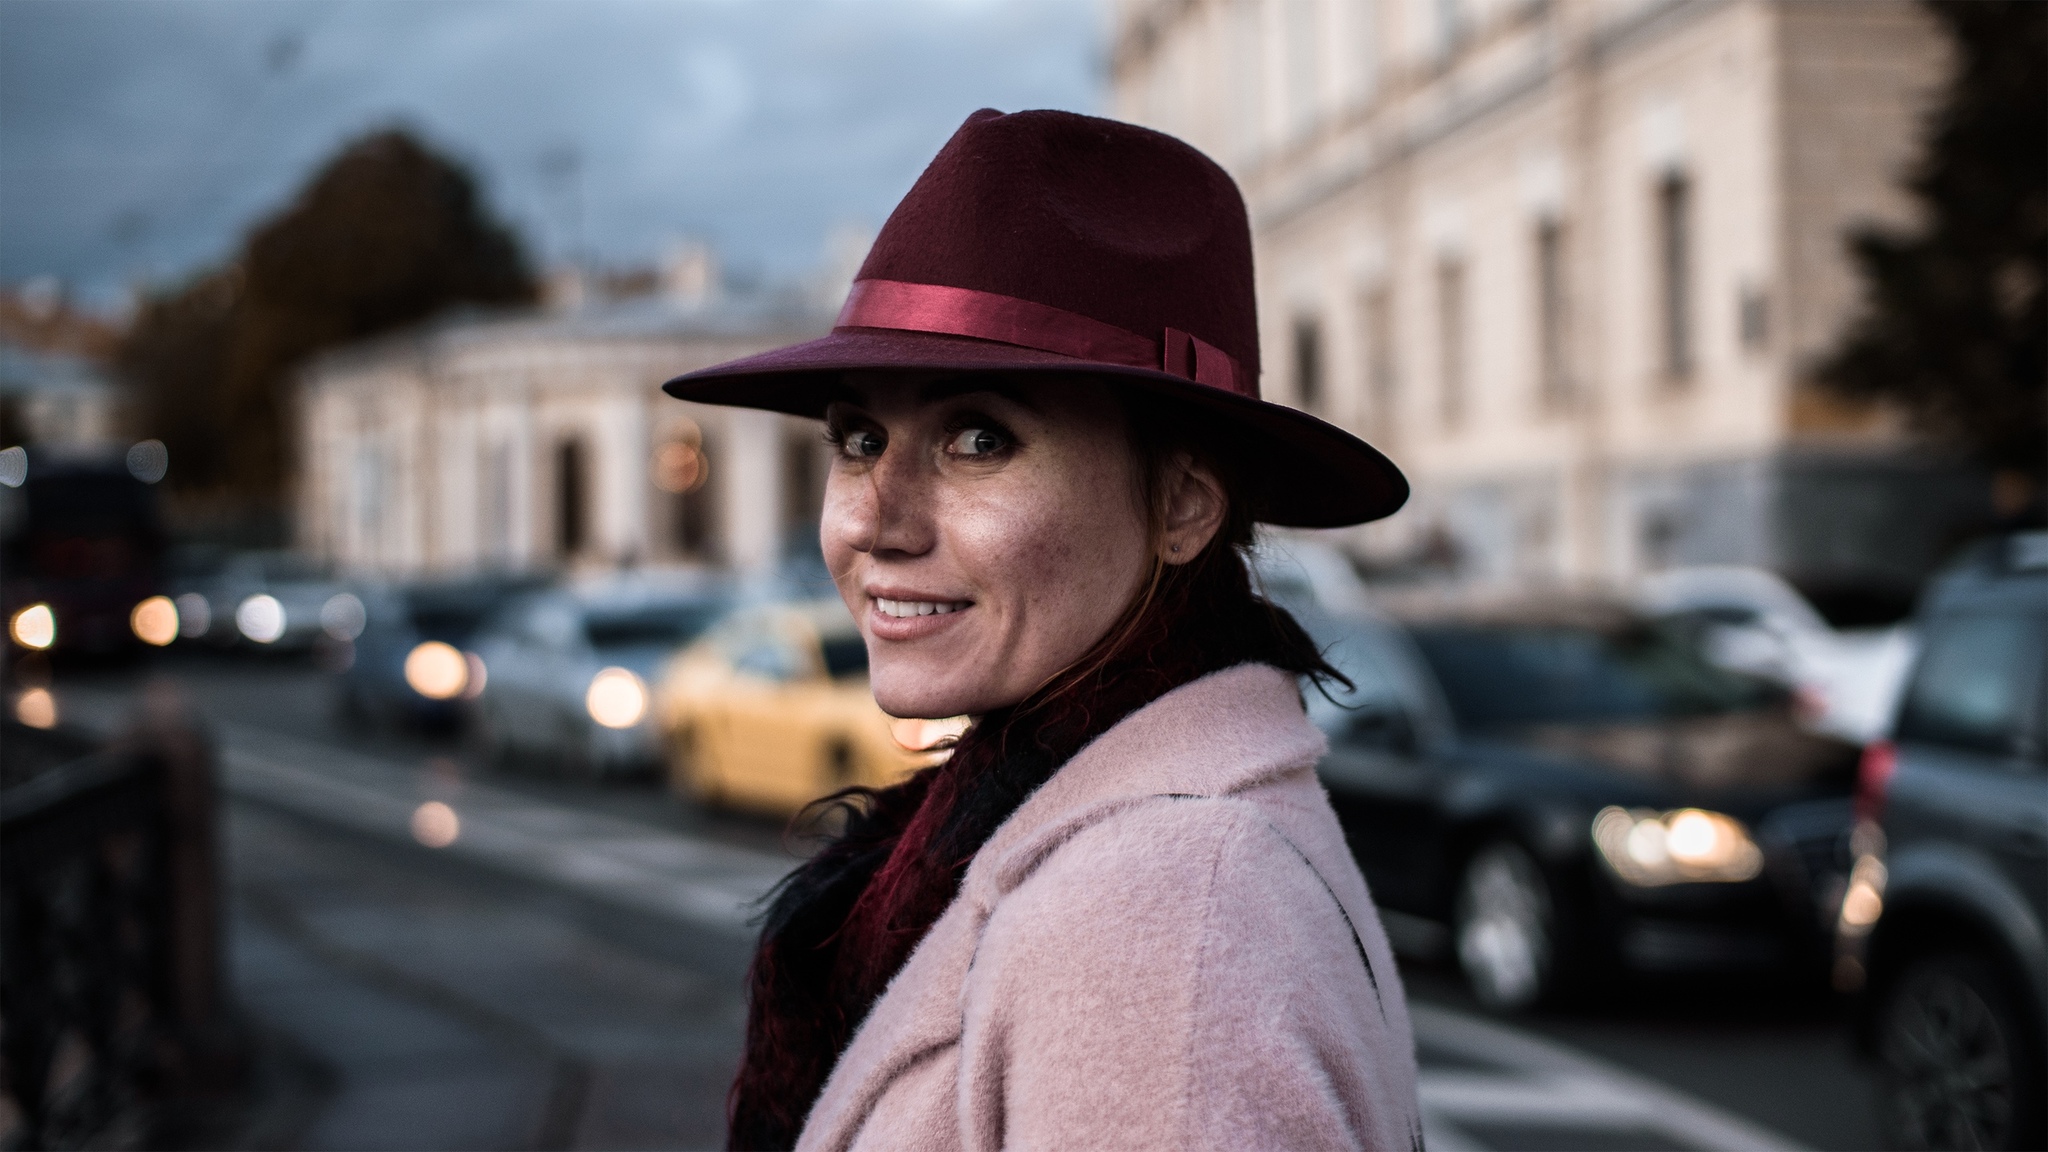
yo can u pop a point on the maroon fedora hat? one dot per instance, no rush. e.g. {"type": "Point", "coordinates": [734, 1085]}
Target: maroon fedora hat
{"type": "Point", "coordinates": [1049, 242]}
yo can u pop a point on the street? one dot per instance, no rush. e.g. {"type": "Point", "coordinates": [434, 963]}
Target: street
{"type": "Point", "coordinates": [564, 971]}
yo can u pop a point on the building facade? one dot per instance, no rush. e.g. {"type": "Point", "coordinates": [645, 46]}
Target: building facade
{"type": "Point", "coordinates": [1570, 263]}
{"type": "Point", "coordinates": [543, 441]}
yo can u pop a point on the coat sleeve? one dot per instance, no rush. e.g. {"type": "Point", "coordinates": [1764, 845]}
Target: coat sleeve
{"type": "Point", "coordinates": [1177, 976]}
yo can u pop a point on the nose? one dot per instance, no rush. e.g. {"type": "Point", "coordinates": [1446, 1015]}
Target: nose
{"type": "Point", "coordinates": [883, 510]}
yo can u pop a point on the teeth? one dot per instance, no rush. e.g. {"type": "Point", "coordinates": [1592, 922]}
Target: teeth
{"type": "Point", "coordinates": [906, 608]}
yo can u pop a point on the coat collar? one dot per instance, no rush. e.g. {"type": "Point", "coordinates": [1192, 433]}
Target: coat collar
{"type": "Point", "coordinates": [1226, 732]}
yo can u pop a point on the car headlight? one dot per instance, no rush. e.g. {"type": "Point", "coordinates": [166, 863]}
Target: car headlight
{"type": "Point", "coordinates": [155, 621]}
{"type": "Point", "coordinates": [436, 670]}
{"type": "Point", "coordinates": [34, 627]}
{"type": "Point", "coordinates": [1682, 846]}
{"type": "Point", "coordinates": [617, 698]}
{"type": "Point", "coordinates": [260, 618]}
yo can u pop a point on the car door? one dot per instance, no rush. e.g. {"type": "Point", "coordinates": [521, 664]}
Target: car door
{"type": "Point", "coordinates": [1970, 732]}
{"type": "Point", "coordinates": [761, 731]}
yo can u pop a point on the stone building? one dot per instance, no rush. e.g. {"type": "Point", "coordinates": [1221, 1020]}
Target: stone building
{"type": "Point", "coordinates": [543, 441]}
{"type": "Point", "coordinates": [1570, 262]}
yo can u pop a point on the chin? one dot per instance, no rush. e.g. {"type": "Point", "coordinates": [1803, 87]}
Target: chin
{"type": "Point", "coordinates": [916, 693]}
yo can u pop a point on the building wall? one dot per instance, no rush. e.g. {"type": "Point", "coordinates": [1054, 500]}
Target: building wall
{"type": "Point", "coordinates": [1402, 161]}
{"type": "Point", "coordinates": [442, 453]}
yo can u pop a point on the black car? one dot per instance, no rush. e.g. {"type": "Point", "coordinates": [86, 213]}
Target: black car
{"type": "Point", "coordinates": [1573, 790]}
{"type": "Point", "coordinates": [403, 653]}
{"type": "Point", "coordinates": [1946, 920]}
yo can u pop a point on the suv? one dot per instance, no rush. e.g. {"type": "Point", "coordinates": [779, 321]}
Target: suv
{"type": "Point", "coordinates": [1943, 922]}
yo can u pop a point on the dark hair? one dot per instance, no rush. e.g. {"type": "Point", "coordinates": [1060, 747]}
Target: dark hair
{"type": "Point", "coordinates": [839, 926]}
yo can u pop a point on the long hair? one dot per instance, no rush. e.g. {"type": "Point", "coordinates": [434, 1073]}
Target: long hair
{"type": "Point", "coordinates": [840, 926]}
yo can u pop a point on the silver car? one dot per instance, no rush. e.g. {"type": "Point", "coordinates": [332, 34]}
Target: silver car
{"type": "Point", "coordinates": [566, 674]}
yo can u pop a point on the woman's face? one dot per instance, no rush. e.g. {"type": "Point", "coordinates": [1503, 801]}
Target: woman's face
{"type": "Point", "coordinates": [984, 532]}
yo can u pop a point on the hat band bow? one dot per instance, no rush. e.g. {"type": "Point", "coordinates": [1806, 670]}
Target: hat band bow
{"type": "Point", "coordinates": [949, 311]}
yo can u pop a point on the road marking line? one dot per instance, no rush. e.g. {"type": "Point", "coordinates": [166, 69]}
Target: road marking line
{"type": "Point", "coordinates": [1547, 1084]}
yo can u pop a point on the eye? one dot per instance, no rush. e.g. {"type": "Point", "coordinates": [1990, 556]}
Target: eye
{"type": "Point", "coordinates": [859, 442]}
{"type": "Point", "coordinates": [977, 442]}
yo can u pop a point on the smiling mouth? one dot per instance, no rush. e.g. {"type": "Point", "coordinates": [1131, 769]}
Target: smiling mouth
{"type": "Point", "coordinates": [902, 609]}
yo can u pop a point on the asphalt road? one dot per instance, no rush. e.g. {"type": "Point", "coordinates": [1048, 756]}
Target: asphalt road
{"type": "Point", "coordinates": [568, 973]}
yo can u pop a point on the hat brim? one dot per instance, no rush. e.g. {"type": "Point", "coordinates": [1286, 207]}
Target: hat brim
{"type": "Point", "coordinates": [1304, 472]}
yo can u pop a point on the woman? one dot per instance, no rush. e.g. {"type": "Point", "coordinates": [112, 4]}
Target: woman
{"type": "Point", "coordinates": [1122, 913]}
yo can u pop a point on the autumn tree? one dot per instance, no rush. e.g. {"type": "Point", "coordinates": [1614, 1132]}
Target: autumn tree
{"type": "Point", "coordinates": [385, 235]}
{"type": "Point", "coordinates": [1955, 318]}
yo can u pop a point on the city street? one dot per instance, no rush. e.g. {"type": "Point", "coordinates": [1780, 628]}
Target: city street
{"type": "Point", "coordinates": [565, 971]}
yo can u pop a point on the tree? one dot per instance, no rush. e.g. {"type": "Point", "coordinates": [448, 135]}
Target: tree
{"type": "Point", "coordinates": [385, 235]}
{"type": "Point", "coordinates": [1954, 318]}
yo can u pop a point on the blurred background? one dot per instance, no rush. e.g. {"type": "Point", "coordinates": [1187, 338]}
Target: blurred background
{"type": "Point", "coordinates": [406, 702]}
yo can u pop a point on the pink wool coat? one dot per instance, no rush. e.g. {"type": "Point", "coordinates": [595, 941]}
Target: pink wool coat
{"type": "Point", "coordinates": [1167, 946]}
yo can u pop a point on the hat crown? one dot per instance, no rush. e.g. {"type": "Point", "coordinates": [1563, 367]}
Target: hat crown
{"type": "Point", "coordinates": [1117, 223]}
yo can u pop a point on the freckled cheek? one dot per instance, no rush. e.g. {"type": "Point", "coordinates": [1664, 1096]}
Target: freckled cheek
{"type": "Point", "coordinates": [1038, 566]}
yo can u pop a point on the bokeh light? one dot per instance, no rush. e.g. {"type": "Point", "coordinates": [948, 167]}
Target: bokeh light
{"type": "Point", "coordinates": [343, 616]}
{"type": "Point", "coordinates": [436, 670]}
{"type": "Point", "coordinates": [36, 708]}
{"type": "Point", "coordinates": [435, 824]}
{"type": "Point", "coordinates": [34, 627]}
{"type": "Point", "coordinates": [261, 618]}
{"type": "Point", "coordinates": [195, 616]}
{"type": "Point", "coordinates": [617, 698]}
{"type": "Point", "coordinates": [155, 621]}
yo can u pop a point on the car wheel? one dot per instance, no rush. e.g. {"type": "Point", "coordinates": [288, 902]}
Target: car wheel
{"type": "Point", "coordinates": [1506, 927]}
{"type": "Point", "coordinates": [1956, 1068]}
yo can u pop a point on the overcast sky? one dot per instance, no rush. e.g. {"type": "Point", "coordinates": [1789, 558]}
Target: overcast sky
{"type": "Point", "coordinates": [140, 138]}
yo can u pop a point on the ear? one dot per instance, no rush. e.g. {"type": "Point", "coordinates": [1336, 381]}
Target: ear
{"type": "Point", "coordinates": [1194, 509]}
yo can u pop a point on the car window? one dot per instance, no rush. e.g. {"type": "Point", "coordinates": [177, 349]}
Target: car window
{"type": "Point", "coordinates": [845, 656]}
{"type": "Point", "coordinates": [548, 624]}
{"type": "Point", "coordinates": [771, 657]}
{"type": "Point", "coordinates": [1499, 676]}
{"type": "Point", "coordinates": [657, 626]}
{"type": "Point", "coordinates": [1974, 683]}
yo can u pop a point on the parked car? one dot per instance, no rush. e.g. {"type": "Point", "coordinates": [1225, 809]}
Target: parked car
{"type": "Point", "coordinates": [1751, 620]}
{"type": "Point", "coordinates": [403, 655]}
{"type": "Point", "coordinates": [81, 552]}
{"type": "Point", "coordinates": [1946, 918]}
{"type": "Point", "coordinates": [261, 601]}
{"type": "Point", "coordinates": [567, 672]}
{"type": "Point", "coordinates": [771, 710]}
{"type": "Point", "coordinates": [1570, 790]}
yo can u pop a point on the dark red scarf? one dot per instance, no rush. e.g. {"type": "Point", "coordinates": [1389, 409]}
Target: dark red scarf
{"type": "Point", "coordinates": [840, 926]}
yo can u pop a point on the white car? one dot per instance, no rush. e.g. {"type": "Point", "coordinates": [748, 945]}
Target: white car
{"type": "Point", "coordinates": [1301, 572]}
{"type": "Point", "coordinates": [1752, 621]}
{"type": "Point", "coordinates": [566, 673]}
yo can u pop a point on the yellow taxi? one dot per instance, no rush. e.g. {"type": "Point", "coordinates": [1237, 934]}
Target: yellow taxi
{"type": "Point", "coordinates": [771, 710]}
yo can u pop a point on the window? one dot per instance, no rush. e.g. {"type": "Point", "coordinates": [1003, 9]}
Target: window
{"type": "Point", "coordinates": [1450, 308]}
{"type": "Point", "coordinates": [1308, 362]}
{"type": "Point", "coordinates": [1303, 79]}
{"type": "Point", "coordinates": [496, 500]}
{"type": "Point", "coordinates": [1380, 380]}
{"type": "Point", "coordinates": [572, 485]}
{"type": "Point", "coordinates": [1555, 380]}
{"type": "Point", "coordinates": [1754, 310]}
{"type": "Point", "coordinates": [694, 508]}
{"type": "Point", "coordinates": [1674, 256]}
{"type": "Point", "coordinates": [1973, 683]}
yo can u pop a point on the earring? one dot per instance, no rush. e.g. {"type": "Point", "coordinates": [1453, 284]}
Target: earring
{"type": "Point", "coordinates": [1175, 548]}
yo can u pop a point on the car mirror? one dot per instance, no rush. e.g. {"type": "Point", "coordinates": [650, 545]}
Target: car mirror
{"type": "Point", "coordinates": [1382, 727]}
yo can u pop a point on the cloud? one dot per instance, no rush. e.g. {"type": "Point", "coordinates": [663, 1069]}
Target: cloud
{"type": "Point", "coordinates": [142, 139]}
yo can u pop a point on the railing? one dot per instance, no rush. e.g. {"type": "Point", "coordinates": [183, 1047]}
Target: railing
{"type": "Point", "coordinates": [111, 1013]}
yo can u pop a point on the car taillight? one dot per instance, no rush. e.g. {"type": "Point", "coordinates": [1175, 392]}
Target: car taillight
{"type": "Point", "coordinates": [1874, 777]}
